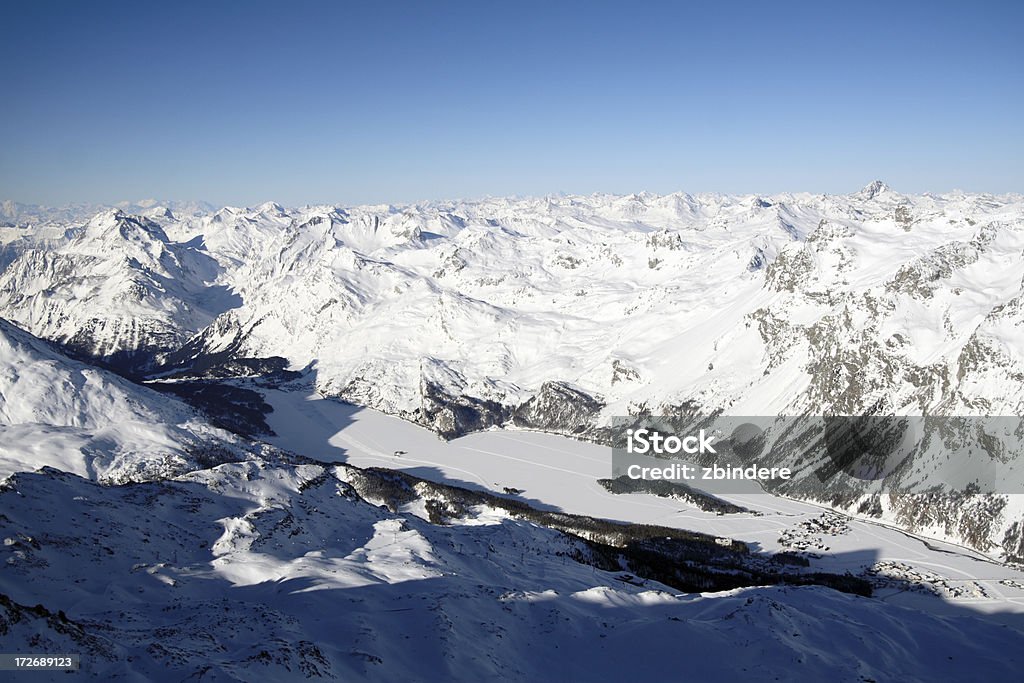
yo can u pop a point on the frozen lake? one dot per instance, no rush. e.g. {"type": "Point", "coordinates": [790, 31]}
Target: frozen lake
{"type": "Point", "coordinates": [560, 473]}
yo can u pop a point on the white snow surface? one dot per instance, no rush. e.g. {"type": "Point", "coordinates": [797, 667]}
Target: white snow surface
{"type": "Point", "coordinates": [263, 571]}
{"type": "Point", "coordinates": [56, 412]}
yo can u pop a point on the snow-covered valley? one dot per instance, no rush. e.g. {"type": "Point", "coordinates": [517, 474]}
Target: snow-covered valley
{"type": "Point", "coordinates": [555, 471]}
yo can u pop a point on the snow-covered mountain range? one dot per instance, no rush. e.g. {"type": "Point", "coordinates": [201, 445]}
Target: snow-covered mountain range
{"type": "Point", "coordinates": [760, 305]}
{"type": "Point", "coordinates": [559, 313]}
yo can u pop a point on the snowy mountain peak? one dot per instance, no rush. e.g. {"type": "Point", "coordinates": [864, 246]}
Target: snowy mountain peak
{"type": "Point", "coordinates": [159, 212]}
{"type": "Point", "coordinates": [872, 190]}
{"type": "Point", "coordinates": [115, 223]}
{"type": "Point", "coordinates": [270, 208]}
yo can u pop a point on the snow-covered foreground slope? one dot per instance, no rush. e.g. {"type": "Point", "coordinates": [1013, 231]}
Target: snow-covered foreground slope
{"type": "Point", "coordinates": [269, 570]}
{"type": "Point", "coordinates": [65, 414]}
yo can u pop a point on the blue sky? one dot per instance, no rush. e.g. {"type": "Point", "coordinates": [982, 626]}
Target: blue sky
{"type": "Point", "coordinates": [241, 102]}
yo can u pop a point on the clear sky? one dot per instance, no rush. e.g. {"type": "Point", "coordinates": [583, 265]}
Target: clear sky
{"type": "Point", "coordinates": [365, 102]}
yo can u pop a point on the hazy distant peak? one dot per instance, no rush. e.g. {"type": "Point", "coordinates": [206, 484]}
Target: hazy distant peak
{"type": "Point", "coordinates": [873, 189]}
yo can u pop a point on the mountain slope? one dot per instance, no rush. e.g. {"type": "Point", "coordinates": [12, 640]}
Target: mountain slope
{"type": "Point", "coordinates": [117, 290]}
{"type": "Point", "coordinates": [263, 570]}
{"type": "Point", "coordinates": [62, 413]}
